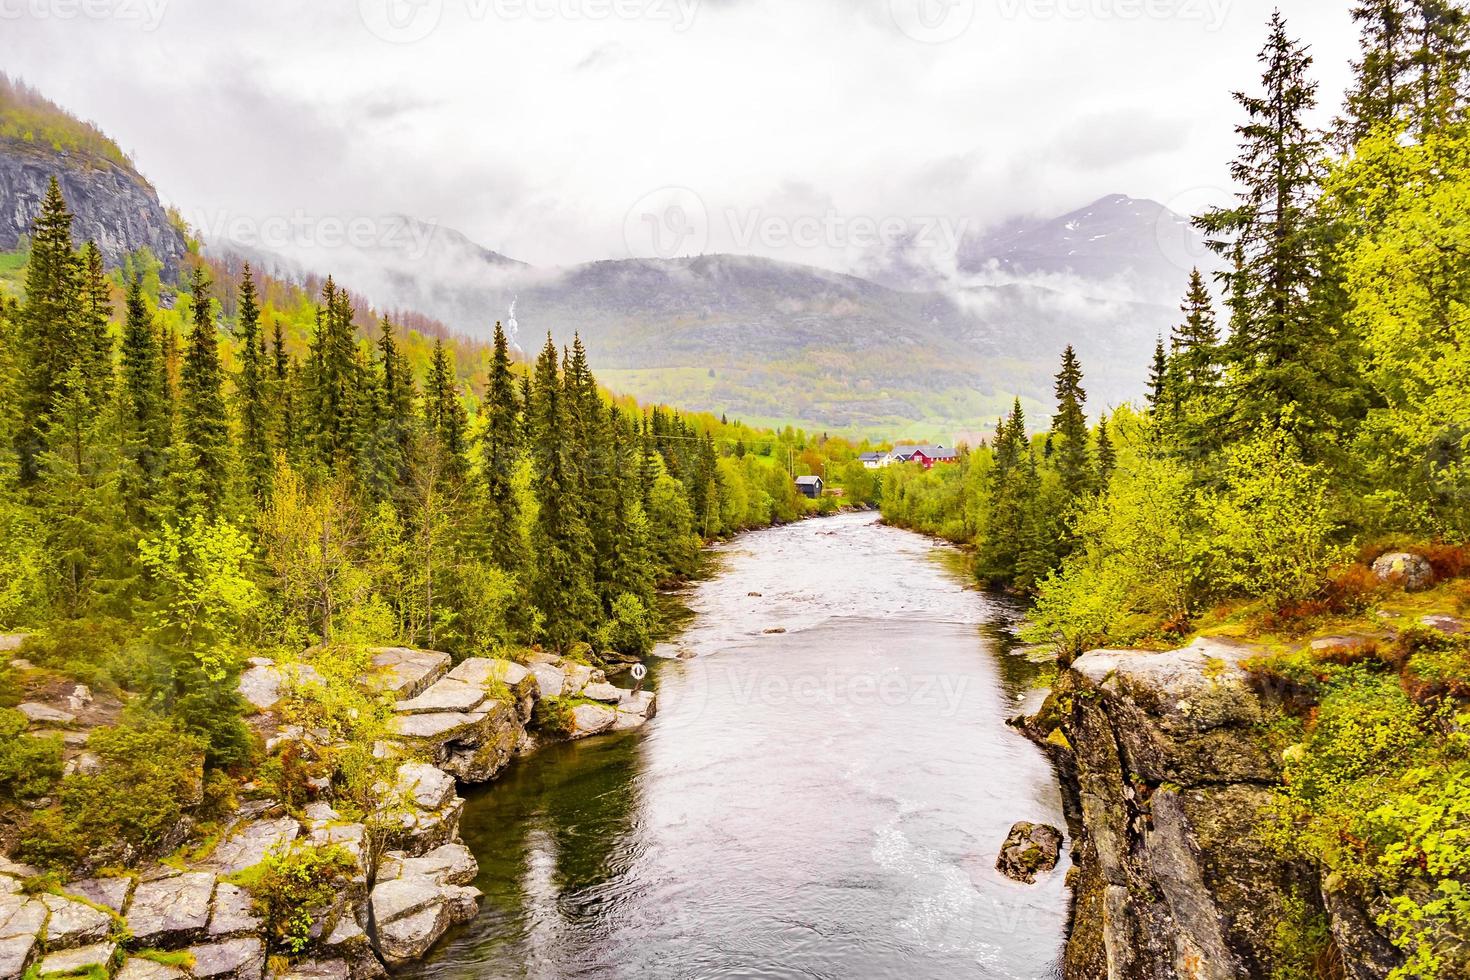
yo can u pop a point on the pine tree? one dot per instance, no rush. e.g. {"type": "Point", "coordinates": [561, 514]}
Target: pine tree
{"type": "Point", "coordinates": [1158, 380]}
{"type": "Point", "coordinates": [144, 412]}
{"type": "Point", "coordinates": [1194, 369]}
{"type": "Point", "coordinates": [332, 381]}
{"type": "Point", "coordinates": [1070, 424]}
{"type": "Point", "coordinates": [257, 453]}
{"type": "Point", "coordinates": [564, 590]}
{"type": "Point", "coordinates": [204, 425]}
{"type": "Point", "coordinates": [500, 451]}
{"type": "Point", "coordinates": [1441, 60]}
{"type": "Point", "coordinates": [1107, 457]}
{"type": "Point", "coordinates": [1280, 350]}
{"type": "Point", "coordinates": [1383, 76]}
{"type": "Point", "coordinates": [445, 413]}
{"type": "Point", "coordinates": [286, 429]}
{"type": "Point", "coordinates": [48, 333]}
{"type": "Point", "coordinates": [93, 333]}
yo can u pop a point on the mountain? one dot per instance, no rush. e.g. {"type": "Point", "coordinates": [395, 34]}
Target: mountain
{"type": "Point", "coordinates": [115, 206]}
{"type": "Point", "coordinates": [1117, 240]}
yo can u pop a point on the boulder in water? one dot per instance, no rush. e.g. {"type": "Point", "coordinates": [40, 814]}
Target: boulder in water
{"type": "Point", "coordinates": [1029, 848]}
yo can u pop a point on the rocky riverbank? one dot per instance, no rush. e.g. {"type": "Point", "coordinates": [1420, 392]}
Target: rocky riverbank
{"type": "Point", "coordinates": [410, 877]}
{"type": "Point", "coordinates": [1171, 786]}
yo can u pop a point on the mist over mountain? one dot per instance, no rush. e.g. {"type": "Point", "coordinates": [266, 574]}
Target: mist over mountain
{"type": "Point", "coordinates": [918, 348]}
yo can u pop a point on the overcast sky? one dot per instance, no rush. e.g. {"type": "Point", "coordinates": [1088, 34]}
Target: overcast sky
{"type": "Point", "coordinates": [543, 128]}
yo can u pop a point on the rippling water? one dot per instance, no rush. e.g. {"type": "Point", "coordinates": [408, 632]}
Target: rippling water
{"type": "Point", "coordinates": [826, 802]}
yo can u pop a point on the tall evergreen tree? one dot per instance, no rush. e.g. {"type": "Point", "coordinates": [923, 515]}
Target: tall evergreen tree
{"type": "Point", "coordinates": [1158, 380]}
{"type": "Point", "coordinates": [1194, 368]}
{"type": "Point", "coordinates": [500, 451]}
{"type": "Point", "coordinates": [257, 453]}
{"type": "Point", "coordinates": [144, 413]}
{"type": "Point", "coordinates": [204, 424]}
{"type": "Point", "coordinates": [47, 329]}
{"type": "Point", "coordinates": [1070, 424]}
{"type": "Point", "coordinates": [94, 336]}
{"type": "Point", "coordinates": [445, 413]}
{"type": "Point", "coordinates": [1280, 351]}
{"type": "Point", "coordinates": [1383, 74]}
{"type": "Point", "coordinates": [1441, 60]}
{"type": "Point", "coordinates": [1107, 456]}
{"type": "Point", "coordinates": [564, 590]}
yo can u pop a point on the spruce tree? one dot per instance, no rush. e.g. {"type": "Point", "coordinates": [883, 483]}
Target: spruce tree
{"type": "Point", "coordinates": [500, 450]}
{"type": "Point", "coordinates": [256, 451]}
{"type": "Point", "coordinates": [1070, 424]}
{"type": "Point", "coordinates": [1383, 75]}
{"type": "Point", "coordinates": [1194, 368]}
{"type": "Point", "coordinates": [1158, 380]}
{"type": "Point", "coordinates": [1280, 350]}
{"type": "Point", "coordinates": [48, 332]}
{"type": "Point", "coordinates": [1441, 60]}
{"type": "Point", "coordinates": [94, 336]}
{"type": "Point", "coordinates": [145, 416]}
{"type": "Point", "coordinates": [564, 590]}
{"type": "Point", "coordinates": [204, 425]}
{"type": "Point", "coordinates": [1107, 457]}
{"type": "Point", "coordinates": [445, 413]}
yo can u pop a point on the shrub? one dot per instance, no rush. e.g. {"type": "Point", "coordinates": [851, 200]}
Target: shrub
{"type": "Point", "coordinates": [289, 886]}
{"type": "Point", "coordinates": [29, 767]}
{"type": "Point", "coordinates": [149, 773]}
{"type": "Point", "coordinates": [631, 628]}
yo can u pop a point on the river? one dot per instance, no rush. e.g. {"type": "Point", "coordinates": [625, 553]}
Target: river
{"type": "Point", "coordinates": [823, 802]}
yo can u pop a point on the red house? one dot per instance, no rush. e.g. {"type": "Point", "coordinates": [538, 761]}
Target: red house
{"type": "Point", "coordinates": [925, 456]}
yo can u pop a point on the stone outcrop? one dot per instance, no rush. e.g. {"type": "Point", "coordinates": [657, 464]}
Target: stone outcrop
{"type": "Point", "coordinates": [114, 206]}
{"type": "Point", "coordinates": [462, 724]}
{"type": "Point", "coordinates": [1169, 786]}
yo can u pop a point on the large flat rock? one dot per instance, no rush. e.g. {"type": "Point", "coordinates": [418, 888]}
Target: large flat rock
{"type": "Point", "coordinates": [170, 911]}
{"type": "Point", "coordinates": [406, 672]}
{"type": "Point", "coordinates": [109, 892]}
{"type": "Point", "coordinates": [73, 923]}
{"type": "Point", "coordinates": [447, 726]}
{"type": "Point", "coordinates": [45, 714]}
{"type": "Point", "coordinates": [96, 956]}
{"type": "Point", "coordinates": [140, 968]}
{"type": "Point", "coordinates": [232, 914]}
{"type": "Point", "coordinates": [444, 696]}
{"type": "Point", "coordinates": [233, 959]}
{"type": "Point", "coordinates": [424, 785]}
{"type": "Point", "coordinates": [249, 842]}
{"type": "Point", "coordinates": [481, 671]}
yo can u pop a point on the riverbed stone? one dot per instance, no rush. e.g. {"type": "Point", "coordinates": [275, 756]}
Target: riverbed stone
{"type": "Point", "coordinates": [438, 729]}
{"type": "Point", "coordinates": [591, 719]}
{"type": "Point", "coordinates": [317, 969]}
{"type": "Point", "coordinates": [109, 892]}
{"type": "Point", "coordinates": [424, 785]}
{"type": "Point", "coordinates": [405, 672]}
{"type": "Point", "coordinates": [171, 911]}
{"type": "Point", "coordinates": [481, 671]}
{"type": "Point", "coordinates": [96, 955]}
{"type": "Point", "coordinates": [550, 680]}
{"type": "Point", "coordinates": [265, 683]}
{"type": "Point", "coordinates": [603, 692]}
{"type": "Point", "coordinates": [443, 697]}
{"type": "Point", "coordinates": [635, 709]}
{"type": "Point", "coordinates": [73, 923]}
{"type": "Point", "coordinates": [232, 959]}
{"type": "Point", "coordinates": [412, 912]}
{"type": "Point", "coordinates": [16, 954]}
{"type": "Point", "coordinates": [449, 864]}
{"type": "Point", "coordinates": [1029, 849]}
{"type": "Point", "coordinates": [481, 758]}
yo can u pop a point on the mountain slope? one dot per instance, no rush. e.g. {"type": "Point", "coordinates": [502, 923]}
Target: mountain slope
{"type": "Point", "coordinates": [114, 205]}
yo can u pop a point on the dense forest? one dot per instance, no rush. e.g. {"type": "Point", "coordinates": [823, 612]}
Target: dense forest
{"type": "Point", "coordinates": [199, 473]}
{"type": "Point", "coordinates": [1320, 419]}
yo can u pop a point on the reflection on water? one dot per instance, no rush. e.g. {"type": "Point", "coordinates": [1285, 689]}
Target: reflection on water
{"type": "Point", "coordinates": [827, 802]}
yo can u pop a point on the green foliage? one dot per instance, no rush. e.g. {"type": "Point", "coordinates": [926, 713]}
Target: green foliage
{"type": "Point", "coordinates": [29, 767]}
{"type": "Point", "coordinates": [148, 772]}
{"type": "Point", "coordinates": [290, 886]}
{"type": "Point", "coordinates": [1273, 524]}
{"type": "Point", "coordinates": [630, 630]}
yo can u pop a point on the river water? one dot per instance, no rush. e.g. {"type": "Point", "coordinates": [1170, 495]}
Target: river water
{"type": "Point", "coordinates": [823, 802]}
